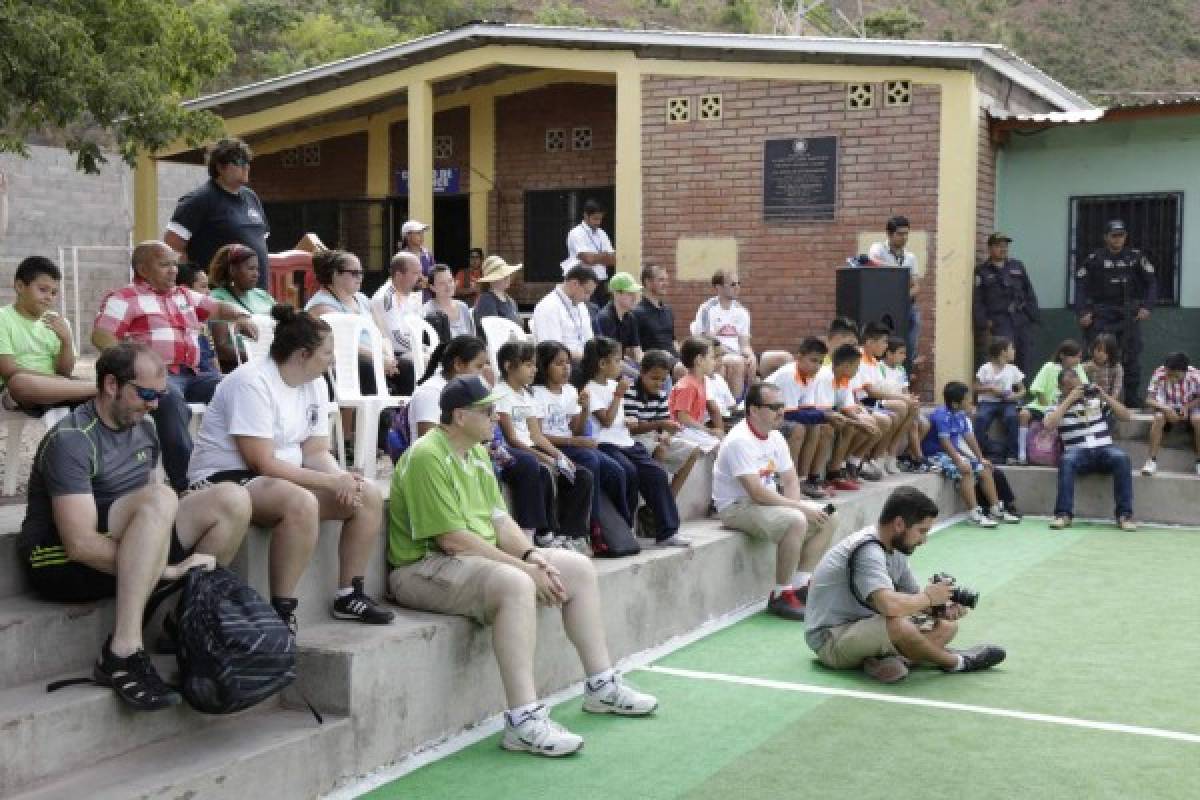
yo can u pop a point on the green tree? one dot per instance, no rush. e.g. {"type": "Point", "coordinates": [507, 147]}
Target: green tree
{"type": "Point", "coordinates": [92, 68]}
{"type": "Point", "coordinates": [892, 23]}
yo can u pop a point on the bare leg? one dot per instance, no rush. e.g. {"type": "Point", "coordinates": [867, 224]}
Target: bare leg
{"type": "Point", "coordinates": [788, 551]}
{"type": "Point", "coordinates": [815, 545]}
{"type": "Point", "coordinates": [681, 476]}
{"type": "Point", "coordinates": [1196, 433]}
{"type": "Point", "coordinates": [987, 483]}
{"type": "Point", "coordinates": [360, 532]}
{"type": "Point", "coordinates": [291, 512]}
{"type": "Point", "coordinates": [581, 614]}
{"type": "Point", "coordinates": [32, 389]}
{"type": "Point", "coordinates": [511, 600]}
{"type": "Point", "coordinates": [773, 360]}
{"type": "Point", "coordinates": [140, 523]}
{"type": "Point", "coordinates": [966, 489]}
{"type": "Point", "coordinates": [1156, 433]}
{"type": "Point", "coordinates": [927, 648]}
{"type": "Point", "coordinates": [813, 439]}
{"type": "Point", "coordinates": [795, 441]}
{"type": "Point", "coordinates": [214, 521]}
{"type": "Point", "coordinates": [733, 366]}
{"type": "Point", "coordinates": [884, 423]}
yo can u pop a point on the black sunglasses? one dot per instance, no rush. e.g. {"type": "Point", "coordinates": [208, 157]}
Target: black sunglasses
{"type": "Point", "coordinates": [772, 406]}
{"type": "Point", "coordinates": [358, 273]}
{"type": "Point", "coordinates": [239, 162]}
{"type": "Point", "coordinates": [148, 395]}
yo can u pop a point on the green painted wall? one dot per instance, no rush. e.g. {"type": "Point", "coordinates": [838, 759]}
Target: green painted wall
{"type": "Point", "coordinates": [1036, 174]}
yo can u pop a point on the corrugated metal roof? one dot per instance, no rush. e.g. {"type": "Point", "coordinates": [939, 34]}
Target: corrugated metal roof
{"type": "Point", "coordinates": [710, 45]}
{"type": "Point", "coordinates": [1054, 118]}
{"type": "Point", "coordinates": [1117, 110]}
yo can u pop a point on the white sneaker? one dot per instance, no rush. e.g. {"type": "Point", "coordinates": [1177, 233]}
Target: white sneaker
{"type": "Point", "coordinates": [1000, 514]}
{"type": "Point", "coordinates": [891, 466]}
{"type": "Point", "coordinates": [1198, 467]}
{"type": "Point", "coordinates": [618, 697]}
{"type": "Point", "coordinates": [538, 734]}
{"type": "Point", "coordinates": [981, 519]}
{"type": "Point", "coordinates": [1151, 467]}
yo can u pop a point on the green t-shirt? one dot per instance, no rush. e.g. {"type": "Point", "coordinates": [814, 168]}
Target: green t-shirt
{"type": "Point", "coordinates": [256, 301]}
{"type": "Point", "coordinates": [1043, 392]}
{"type": "Point", "coordinates": [30, 341]}
{"type": "Point", "coordinates": [435, 492]}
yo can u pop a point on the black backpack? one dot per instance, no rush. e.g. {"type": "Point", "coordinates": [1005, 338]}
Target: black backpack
{"type": "Point", "coordinates": [234, 650]}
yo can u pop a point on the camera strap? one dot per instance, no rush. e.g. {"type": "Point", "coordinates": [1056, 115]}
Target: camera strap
{"type": "Point", "coordinates": [850, 570]}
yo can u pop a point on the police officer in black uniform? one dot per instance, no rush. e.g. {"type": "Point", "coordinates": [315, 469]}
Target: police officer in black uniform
{"type": "Point", "coordinates": [1004, 303]}
{"type": "Point", "coordinates": [1115, 288]}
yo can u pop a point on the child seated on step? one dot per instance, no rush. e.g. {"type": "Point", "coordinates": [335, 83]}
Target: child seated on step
{"type": "Point", "coordinates": [646, 402]}
{"type": "Point", "coordinates": [37, 354]}
{"type": "Point", "coordinates": [856, 433]}
{"type": "Point", "coordinates": [1044, 392]}
{"type": "Point", "coordinates": [809, 433]}
{"type": "Point", "coordinates": [999, 385]}
{"type": "Point", "coordinates": [895, 379]}
{"type": "Point", "coordinates": [1104, 367]}
{"type": "Point", "coordinates": [1174, 398]}
{"type": "Point", "coordinates": [951, 444]}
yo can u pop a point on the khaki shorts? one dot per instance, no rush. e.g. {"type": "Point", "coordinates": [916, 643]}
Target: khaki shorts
{"type": "Point", "coordinates": [761, 522]}
{"type": "Point", "coordinates": [675, 454]}
{"type": "Point", "coordinates": [445, 584]}
{"type": "Point", "coordinates": [849, 644]}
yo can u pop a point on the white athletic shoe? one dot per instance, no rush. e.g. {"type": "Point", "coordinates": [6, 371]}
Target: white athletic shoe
{"type": "Point", "coordinates": [890, 465]}
{"type": "Point", "coordinates": [978, 517]}
{"type": "Point", "coordinates": [1001, 514]}
{"type": "Point", "coordinates": [538, 734]}
{"type": "Point", "coordinates": [618, 697]}
{"type": "Point", "coordinates": [1151, 467]}
{"type": "Point", "coordinates": [1198, 467]}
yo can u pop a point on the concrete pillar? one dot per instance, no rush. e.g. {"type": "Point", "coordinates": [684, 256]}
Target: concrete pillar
{"type": "Point", "coordinates": [378, 186]}
{"type": "Point", "coordinates": [420, 155]}
{"type": "Point", "coordinates": [482, 166]}
{"type": "Point", "coordinates": [145, 199]}
{"type": "Point", "coordinates": [628, 213]}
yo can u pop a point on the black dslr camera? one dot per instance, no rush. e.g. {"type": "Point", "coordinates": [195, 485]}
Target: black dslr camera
{"type": "Point", "coordinates": [959, 594]}
{"type": "Point", "coordinates": [1091, 390]}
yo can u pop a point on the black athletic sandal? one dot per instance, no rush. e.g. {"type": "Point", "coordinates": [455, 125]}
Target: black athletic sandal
{"type": "Point", "coordinates": [134, 679]}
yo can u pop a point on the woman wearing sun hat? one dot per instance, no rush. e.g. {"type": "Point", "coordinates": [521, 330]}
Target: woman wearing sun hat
{"type": "Point", "coordinates": [494, 300]}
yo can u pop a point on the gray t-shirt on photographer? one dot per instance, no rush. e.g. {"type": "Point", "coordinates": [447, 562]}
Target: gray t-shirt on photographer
{"type": "Point", "coordinates": [830, 601]}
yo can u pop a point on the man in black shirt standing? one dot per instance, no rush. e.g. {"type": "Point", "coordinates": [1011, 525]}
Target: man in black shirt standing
{"type": "Point", "coordinates": [222, 211]}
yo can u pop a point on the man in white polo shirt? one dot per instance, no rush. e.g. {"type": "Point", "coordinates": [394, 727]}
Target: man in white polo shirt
{"type": "Point", "coordinates": [562, 315]}
{"type": "Point", "coordinates": [726, 320]}
{"type": "Point", "coordinates": [588, 244]}
{"type": "Point", "coordinates": [757, 492]}
{"type": "Point", "coordinates": [392, 304]}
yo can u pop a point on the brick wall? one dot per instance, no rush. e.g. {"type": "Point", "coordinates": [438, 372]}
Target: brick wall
{"type": "Point", "coordinates": [342, 172]}
{"type": "Point", "coordinates": [704, 179]}
{"type": "Point", "coordinates": [985, 200]}
{"type": "Point", "coordinates": [455, 123]}
{"type": "Point", "coordinates": [522, 163]}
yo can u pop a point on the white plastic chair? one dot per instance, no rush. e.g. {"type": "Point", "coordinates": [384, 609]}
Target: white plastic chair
{"type": "Point", "coordinates": [419, 330]}
{"type": "Point", "coordinates": [498, 331]}
{"type": "Point", "coordinates": [260, 347]}
{"type": "Point", "coordinates": [15, 422]}
{"type": "Point", "coordinates": [347, 330]}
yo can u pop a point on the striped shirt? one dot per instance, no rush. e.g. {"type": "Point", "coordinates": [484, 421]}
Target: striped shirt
{"type": "Point", "coordinates": [1174, 394]}
{"type": "Point", "coordinates": [1085, 425]}
{"type": "Point", "coordinates": [643, 406]}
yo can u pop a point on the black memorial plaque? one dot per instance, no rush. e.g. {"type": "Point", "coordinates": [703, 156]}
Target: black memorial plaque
{"type": "Point", "coordinates": [800, 178]}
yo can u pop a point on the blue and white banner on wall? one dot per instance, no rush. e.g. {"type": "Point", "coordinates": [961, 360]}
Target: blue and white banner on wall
{"type": "Point", "coordinates": [445, 181]}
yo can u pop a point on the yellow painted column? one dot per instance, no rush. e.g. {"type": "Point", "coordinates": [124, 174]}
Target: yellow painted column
{"type": "Point", "coordinates": [628, 213]}
{"type": "Point", "coordinates": [957, 163]}
{"type": "Point", "coordinates": [420, 155]}
{"type": "Point", "coordinates": [145, 199]}
{"type": "Point", "coordinates": [378, 184]}
{"type": "Point", "coordinates": [482, 167]}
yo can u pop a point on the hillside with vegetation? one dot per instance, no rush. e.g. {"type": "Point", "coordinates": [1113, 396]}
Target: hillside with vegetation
{"type": "Point", "coordinates": [1111, 50]}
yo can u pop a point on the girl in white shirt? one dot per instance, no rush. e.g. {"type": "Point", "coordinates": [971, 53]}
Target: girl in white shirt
{"type": "Point", "coordinates": [562, 420]}
{"type": "Point", "coordinates": [267, 428]}
{"type": "Point", "coordinates": [599, 374]}
{"type": "Point", "coordinates": [550, 494]}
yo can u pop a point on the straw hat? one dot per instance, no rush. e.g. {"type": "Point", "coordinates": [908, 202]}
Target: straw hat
{"type": "Point", "coordinates": [495, 268]}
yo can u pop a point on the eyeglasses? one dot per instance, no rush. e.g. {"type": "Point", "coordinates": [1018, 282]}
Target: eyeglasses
{"type": "Point", "coordinates": [148, 395]}
{"type": "Point", "coordinates": [773, 406]}
{"type": "Point", "coordinates": [239, 162]}
{"type": "Point", "coordinates": [358, 273]}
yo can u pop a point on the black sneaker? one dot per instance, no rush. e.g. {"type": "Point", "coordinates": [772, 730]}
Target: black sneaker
{"type": "Point", "coordinates": [980, 657]}
{"type": "Point", "coordinates": [285, 607]}
{"type": "Point", "coordinates": [358, 606]}
{"type": "Point", "coordinates": [134, 679]}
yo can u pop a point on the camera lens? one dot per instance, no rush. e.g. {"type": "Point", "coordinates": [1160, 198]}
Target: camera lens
{"type": "Point", "coordinates": [964, 597]}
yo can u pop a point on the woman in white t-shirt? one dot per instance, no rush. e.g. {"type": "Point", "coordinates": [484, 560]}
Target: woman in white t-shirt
{"type": "Point", "coordinates": [550, 493]}
{"type": "Point", "coordinates": [267, 428]}
{"type": "Point", "coordinates": [562, 421]}
{"type": "Point", "coordinates": [599, 374]}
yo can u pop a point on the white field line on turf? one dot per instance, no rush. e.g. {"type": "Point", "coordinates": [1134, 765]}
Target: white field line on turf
{"type": "Point", "coordinates": [447, 745]}
{"type": "Point", "coordinates": [1113, 727]}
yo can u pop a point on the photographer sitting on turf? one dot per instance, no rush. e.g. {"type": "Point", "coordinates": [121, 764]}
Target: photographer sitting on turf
{"type": "Point", "coordinates": [863, 597]}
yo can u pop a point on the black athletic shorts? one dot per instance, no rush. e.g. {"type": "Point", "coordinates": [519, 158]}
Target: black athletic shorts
{"type": "Point", "coordinates": [54, 577]}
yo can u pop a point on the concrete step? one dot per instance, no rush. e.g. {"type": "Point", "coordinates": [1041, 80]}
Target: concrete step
{"type": "Point", "coordinates": [277, 754]}
{"type": "Point", "coordinates": [1166, 498]}
{"type": "Point", "coordinates": [1179, 460]}
{"type": "Point", "coordinates": [39, 639]}
{"type": "Point", "coordinates": [49, 733]}
{"type": "Point", "coordinates": [12, 576]}
{"type": "Point", "coordinates": [393, 681]}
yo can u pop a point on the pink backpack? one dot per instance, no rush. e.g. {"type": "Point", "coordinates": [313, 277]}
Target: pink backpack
{"type": "Point", "coordinates": [1043, 447]}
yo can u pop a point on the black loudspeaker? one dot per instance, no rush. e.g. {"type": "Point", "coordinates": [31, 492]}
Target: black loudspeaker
{"type": "Point", "coordinates": [874, 294]}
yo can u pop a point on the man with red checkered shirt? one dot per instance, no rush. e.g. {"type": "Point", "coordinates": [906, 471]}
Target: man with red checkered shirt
{"type": "Point", "coordinates": [1174, 398]}
{"type": "Point", "coordinates": [155, 311]}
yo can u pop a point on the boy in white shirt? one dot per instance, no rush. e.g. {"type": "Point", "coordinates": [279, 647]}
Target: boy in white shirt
{"type": "Point", "coordinates": [895, 379]}
{"type": "Point", "coordinates": [728, 321]}
{"type": "Point", "coordinates": [893, 410]}
{"type": "Point", "coordinates": [808, 432]}
{"type": "Point", "coordinates": [998, 387]}
{"type": "Point", "coordinates": [857, 433]}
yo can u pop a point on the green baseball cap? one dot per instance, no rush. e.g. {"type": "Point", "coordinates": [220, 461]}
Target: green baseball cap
{"type": "Point", "coordinates": [623, 282]}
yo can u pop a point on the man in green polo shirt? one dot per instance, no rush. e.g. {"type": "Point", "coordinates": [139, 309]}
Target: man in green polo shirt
{"type": "Point", "coordinates": [453, 549]}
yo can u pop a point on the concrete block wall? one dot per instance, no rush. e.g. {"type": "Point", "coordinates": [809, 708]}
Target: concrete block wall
{"type": "Point", "coordinates": [704, 179]}
{"type": "Point", "coordinates": [52, 206]}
